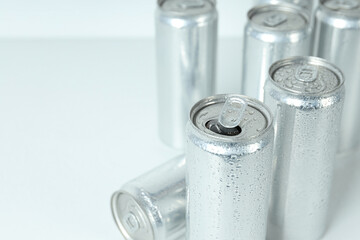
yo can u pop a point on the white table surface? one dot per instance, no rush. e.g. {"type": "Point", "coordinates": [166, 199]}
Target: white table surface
{"type": "Point", "coordinates": [78, 119]}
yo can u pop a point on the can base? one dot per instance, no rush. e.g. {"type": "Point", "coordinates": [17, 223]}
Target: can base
{"type": "Point", "coordinates": [130, 217]}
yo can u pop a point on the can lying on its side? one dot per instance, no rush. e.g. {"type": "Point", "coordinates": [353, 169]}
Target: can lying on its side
{"type": "Point", "coordinates": [337, 39]}
{"type": "Point", "coordinates": [153, 206]}
{"type": "Point", "coordinates": [273, 32]}
{"type": "Point", "coordinates": [186, 37]}
{"type": "Point", "coordinates": [229, 159]}
{"type": "Point", "coordinates": [306, 96]}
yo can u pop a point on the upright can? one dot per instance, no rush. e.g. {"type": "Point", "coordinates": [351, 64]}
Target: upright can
{"type": "Point", "coordinates": [186, 37]}
{"type": "Point", "coordinates": [305, 95]}
{"type": "Point", "coordinates": [229, 159]}
{"type": "Point", "coordinates": [337, 39]}
{"type": "Point", "coordinates": [153, 206]}
{"type": "Point", "coordinates": [273, 32]}
{"type": "Point", "coordinates": [306, 5]}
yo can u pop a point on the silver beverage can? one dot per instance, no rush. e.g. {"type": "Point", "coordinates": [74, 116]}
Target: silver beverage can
{"type": "Point", "coordinates": [153, 206]}
{"type": "Point", "coordinates": [306, 96]}
{"type": "Point", "coordinates": [306, 5]}
{"type": "Point", "coordinates": [273, 32]}
{"type": "Point", "coordinates": [229, 159]}
{"type": "Point", "coordinates": [186, 40]}
{"type": "Point", "coordinates": [337, 39]}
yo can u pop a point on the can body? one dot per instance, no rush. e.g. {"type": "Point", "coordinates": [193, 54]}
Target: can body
{"type": "Point", "coordinates": [153, 206]}
{"type": "Point", "coordinates": [337, 39]}
{"type": "Point", "coordinates": [306, 96]}
{"type": "Point", "coordinates": [228, 177]}
{"type": "Point", "coordinates": [273, 32]}
{"type": "Point", "coordinates": [186, 39]}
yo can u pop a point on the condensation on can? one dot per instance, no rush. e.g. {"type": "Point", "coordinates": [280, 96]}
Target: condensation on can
{"type": "Point", "coordinates": [273, 32]}
{"type": "Point", "coordinates": [306, 96]}
{"type": "Point", "coordinates": [337, 39]}
{"type": "Point", "coordinates": [153, 206]}
{"type": "Point", "coordinates": [186, 40]}
{"type": "Point", "coordinates": [228, 168]}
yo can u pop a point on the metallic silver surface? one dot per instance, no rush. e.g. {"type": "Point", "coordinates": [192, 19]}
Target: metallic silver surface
{"type": "Point", "coordinates": [186, 39]}
{"type": "Point", "coordinates": [273, 32]}
{"type": "Point", "coordinates": [306, 96]}
{"type": "Point", "coordinates": [228, 173]}
{"type": "Point", "coordinates": [337, 39]}
{"type": "Point", "coordinates": [307, 5]}
{"type": "Point", "coordinates": [153, 206]}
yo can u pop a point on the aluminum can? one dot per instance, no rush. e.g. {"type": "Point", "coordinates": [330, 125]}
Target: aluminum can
{"type": "Point", "coordinates": [306, 5]}
{"type": "Point", "coordinates": [229, 158]}
{"type": "Point", "coordinates": [273, 32]}
{"type": "Point", "coordinates": [337, 39]}
{"type": "Point", "coordinates": [305, 95]}
{"type": "Point", "coordinates": [153, 206]}
{"type": "Point", "coordinates": [186, 40]}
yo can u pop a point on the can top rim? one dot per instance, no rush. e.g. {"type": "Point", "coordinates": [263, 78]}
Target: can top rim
{"type": "Point", "coordinates": [183, 8]}
{"type": "Point", "coordinates": [284, 7]}
{"type": "Point", "coordinates": [160, 2]}
{"type": "Point", "coordinates": [311, 61]}
{"type": "Point", "coordinates": [350, 8]}
{"type": "Point", "coordinates": [221, 98]}
{"type": "Point", "coordinates": [116, 214]}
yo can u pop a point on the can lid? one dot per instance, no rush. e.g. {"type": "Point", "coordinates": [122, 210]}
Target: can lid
{"type": "Point", "coordinates": [307, 4]}
{"type": "Point", "coordinates": [347, 7]}
{"type": "Point", "coordinates": [306, 75]}
{"type": "Point", "coordinates": [187, 7]}
{"type": "Point", "coordinates": [279, 17]}
{"type": "Point", "coordinates": [131, 219]}
{"type": "Point", "coordinates": [231, 117]}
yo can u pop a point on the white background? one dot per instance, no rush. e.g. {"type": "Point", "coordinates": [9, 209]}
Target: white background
{"type": "Point", "coordinates": [78, 115]}
{"type": "Point", "coordinates": [100, 18]}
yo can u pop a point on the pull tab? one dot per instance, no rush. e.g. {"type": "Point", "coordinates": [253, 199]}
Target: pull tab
{"type": "Point", "coordinates": [306, 73]}
{"type": "Point", "coordinates": [275, 20]}
{"type": "Point", "coordinates": [232, 112]}
{"type": "Point", "coordinates": [191, 4]}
